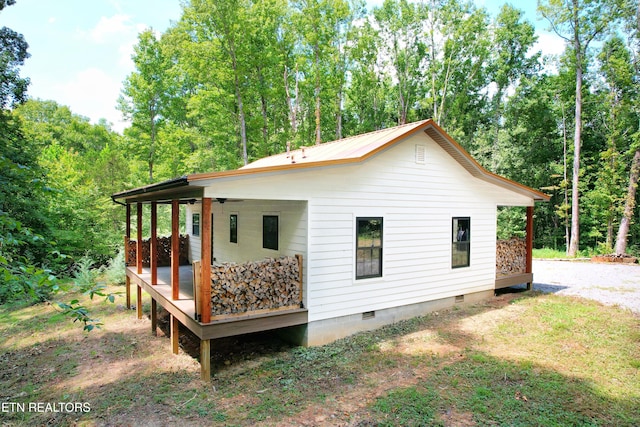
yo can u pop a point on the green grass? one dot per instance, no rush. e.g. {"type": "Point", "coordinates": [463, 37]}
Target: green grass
{"type": "Point", "coordinates": [548, 253]}
{"type": "Point", "coordinates": [521, 360]}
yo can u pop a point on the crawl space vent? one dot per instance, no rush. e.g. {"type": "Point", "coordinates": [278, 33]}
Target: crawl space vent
{"type": "Point", "coordinates": [421, 154]}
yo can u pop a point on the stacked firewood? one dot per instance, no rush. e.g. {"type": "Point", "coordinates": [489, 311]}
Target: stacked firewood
{"type": "Point", "coordinates": [164, 251]}
{"type": "Point", "coordinates": [511, 257]}
{"type": "Point", "coordinates": [255, 285]}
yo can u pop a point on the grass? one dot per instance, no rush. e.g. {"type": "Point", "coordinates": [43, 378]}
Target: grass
{"type": "Point", "coordinates": [519, 359]}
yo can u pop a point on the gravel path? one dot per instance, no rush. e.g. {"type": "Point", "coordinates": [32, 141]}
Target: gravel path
{"type": "Point", "coordinates": [611, 284]}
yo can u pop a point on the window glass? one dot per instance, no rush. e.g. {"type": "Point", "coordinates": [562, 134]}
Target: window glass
{"type": "Point", "coordinates": [461, 242]}
{"type": "Point", "coordinates": [368, 247]}
{"type": "Point", "coordinates": [195, 224]}
{"type": "Point", "coordinates": [270, 232]}
{"type": "Point", "coordinates": [233, 228]}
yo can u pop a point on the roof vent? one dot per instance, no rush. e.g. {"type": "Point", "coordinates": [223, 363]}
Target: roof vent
{"type": "Point", "coordinates": [421, 154]}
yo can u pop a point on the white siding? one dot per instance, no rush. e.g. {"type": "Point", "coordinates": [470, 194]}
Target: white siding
{"type": "Point", "coordinates": [417, 202]}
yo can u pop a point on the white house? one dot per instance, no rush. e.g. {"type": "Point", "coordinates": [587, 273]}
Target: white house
{"type": "Point", "coordinates": [389, 225]}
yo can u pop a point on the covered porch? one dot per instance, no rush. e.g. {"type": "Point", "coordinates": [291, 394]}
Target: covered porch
{"type": "Point", "coordinates": [514, 258]}
{"type": "Point", "coordinates": [186, 296]}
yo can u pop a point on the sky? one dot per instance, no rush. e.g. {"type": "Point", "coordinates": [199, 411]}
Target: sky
{"type": "Point", "coordinates": [81, 49]}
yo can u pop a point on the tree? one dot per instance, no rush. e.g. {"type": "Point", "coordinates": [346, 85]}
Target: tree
{"type": "Point", "coordinates": [13, 52]}
{"type": "Point", "coordinates": [633, 24]}
{"type": "Point", "coordinates": [143, 97]}
{"type": "Point", "coordinates": [578, 22]}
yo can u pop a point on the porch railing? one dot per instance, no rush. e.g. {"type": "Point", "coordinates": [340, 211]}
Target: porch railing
{"type": "Point", "coordinates": [164, 251]}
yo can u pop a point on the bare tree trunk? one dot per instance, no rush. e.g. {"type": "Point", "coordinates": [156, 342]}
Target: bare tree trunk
{"type": "Point", "coordinates": [292, 108]}
{"type": "Point", "coordinates": [629, 205]}
{"type": "Point", "coordinates": [317, 94]}
{"type": "Point", "coordinates": [575, 194]}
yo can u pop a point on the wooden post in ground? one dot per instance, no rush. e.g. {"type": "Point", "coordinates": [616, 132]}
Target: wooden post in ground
{"type": "Point", "coordinates": [128, 292]}
{"type": "Point", "coordinates": [153, 244]}
{"type": "Point", "coordinates": [127, 237]}
{"type": "Point", "coordinates": [175, 249]}
{"type": "Point", "coordinates": [205, 360]}
{"type": "Point", "coordinates": [139, 301]}
{"type": "Point", "coordinates": [529, 244]}
{"type": "Point", "coordinates": [205, 269]}
{"type": "Point", "coordinates": [154, 317]}
{"type": "Point", "coordinates": [174, 328]}
{"type": "Point", "coordinates": [139, 244]}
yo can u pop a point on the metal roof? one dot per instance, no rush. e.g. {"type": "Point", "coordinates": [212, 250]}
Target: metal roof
{"type": "Point", "coordinates": [350, 150]}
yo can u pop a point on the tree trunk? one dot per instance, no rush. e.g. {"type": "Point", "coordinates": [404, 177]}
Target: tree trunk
{"type": "Point", "coordinates": [317, 94]}
{"type": "Point", "coordinates": [629, 205]}
{"type": "Point", "coordinates": [575, 194]}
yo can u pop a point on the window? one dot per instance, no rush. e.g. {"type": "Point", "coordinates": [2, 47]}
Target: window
{"type": "Point", "coordinates": [461, 242]}
{"type": "Point", "coordinates": [270, 232]}
{"type": "Point", "coordinates": [368, 247]}
{"type": "Point", "coordinates": [233, 228]}
{"type": "Point", "coordinates": [195, 224]}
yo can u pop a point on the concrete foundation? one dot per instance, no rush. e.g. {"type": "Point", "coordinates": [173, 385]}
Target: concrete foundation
{"type": "Point", "coordinates": [322, 332]}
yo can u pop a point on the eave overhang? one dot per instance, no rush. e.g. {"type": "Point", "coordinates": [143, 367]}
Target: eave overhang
{"type": "Point", "coordinates": [161, 192]}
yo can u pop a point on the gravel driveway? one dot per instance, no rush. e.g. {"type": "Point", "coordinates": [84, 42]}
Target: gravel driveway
{"type": "Point", "coordinates": [611, 284]}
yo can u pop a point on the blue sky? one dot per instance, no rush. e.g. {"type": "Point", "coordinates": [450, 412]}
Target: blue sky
{"type": "Point", "coordinates": [81, 49]}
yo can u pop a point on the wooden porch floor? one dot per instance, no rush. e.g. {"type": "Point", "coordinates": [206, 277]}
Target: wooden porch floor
{"type": "Point", "coordinates": [183, 309]}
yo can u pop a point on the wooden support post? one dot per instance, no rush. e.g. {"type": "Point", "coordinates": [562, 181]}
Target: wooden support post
{"type": "Point", "coordinates": [300, 275]}
{"type": "Point", "coordinates": [139, 301]}
{"type": "Point", "coordinates": [205, 270]}
{"type": "Point", "coordinates": [153, 248]}
{"type": "Point", "coordinates": [128, 226]}
{"type": "Point", "coordinates": [174, 328]}
{"type": "Point", "coordinates": [139, 236]}
{"type": "Point", "coordinates": [205, 360]}
{"type": "Point", "coordinates": [128, 292]}
{"type": "Point", "coordinates": [154, 317]}
{"type": "Point", "coordinates": [175, 249]}
{"type": "Point", "coordinates": [529, 268]}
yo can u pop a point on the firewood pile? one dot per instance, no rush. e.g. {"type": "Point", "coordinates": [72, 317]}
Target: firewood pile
{"type": "Point", "coordinates": [511, 257]}
{"type": "Point", "coordinates": [164, 251]}
{"type": "Point", "coordinates": [255, 285]}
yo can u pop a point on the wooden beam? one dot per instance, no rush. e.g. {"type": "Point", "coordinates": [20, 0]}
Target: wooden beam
{"type": "Point", "coordinates": [154, 317]}
{"type": "Point", "coordinates": [529, 268]}
{"type": "Point", "coordinates": [205, 269]}
{"type": "Point", "coordinates": [174, 328]}
{"type": "Point", "coordinates": [153, 245]}
{"type": "Point", "coordinates": [175, 249]}
{"type": "Point", "coordinates": [139, 301]}
{"type": "Point", "coordinates": [139, 236]}
{"type": "Point", "coordinates": [205, 360]}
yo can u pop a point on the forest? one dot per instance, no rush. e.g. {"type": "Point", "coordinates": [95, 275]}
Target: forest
{"type": "Point", "coordinates": [234, 81]}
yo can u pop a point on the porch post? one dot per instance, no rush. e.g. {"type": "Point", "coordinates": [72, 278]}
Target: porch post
{"type": "Point", "coordinates": [529, 243]}
{"type": "Point", "coordinates": [175, 249]}
{"type": "Point", "coordinates": [139, 301]}
{"type": "Point", "coordinates": [205, 239]}
{"type": "Point", "coordinates": [127, 237]}
{"type": "Point", "coordinates": [154, 317]}
{"type": "Point", "coordinates": [205, 360]}
{"type": "Point", "coordinates": [139, 245]}
{"type": "Point", "coordinates": [174, 328]}
{"type": "Point", "coordinates": [153, 246]}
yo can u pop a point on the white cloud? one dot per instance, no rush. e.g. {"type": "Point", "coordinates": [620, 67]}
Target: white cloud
{"type": "Point", "coordinates": [549, 44]}
{"type": "Point", "coordinates": [117, 25]}
{"type": "Point", "coordinates": [92, 93]}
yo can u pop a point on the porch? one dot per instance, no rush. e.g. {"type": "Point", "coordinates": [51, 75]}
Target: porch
{"type": "Point", "coordinates": [183, 311]}
{"type": "Point", "coordinates": [514, 258]}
